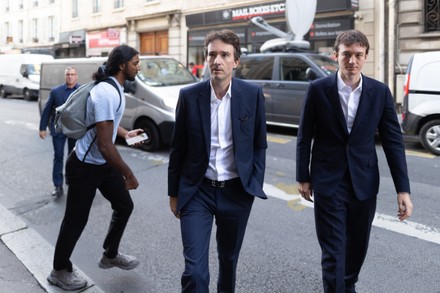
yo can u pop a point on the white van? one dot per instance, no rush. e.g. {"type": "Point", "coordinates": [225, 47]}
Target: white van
{"type": "Point", "coordinates": [20, 74]}
{"type": "Point", "coordinates": [421, 102]}
{"type": "Point", "coordinates": [151, 97]}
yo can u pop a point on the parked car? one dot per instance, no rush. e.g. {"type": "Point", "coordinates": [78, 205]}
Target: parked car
{"type": "Point", "coordinates": [151, 98]}
{"type": "Point", "coordinates": [20, 74]}
{"type": "Point", "coordinates": [284, 77]}
{"type": "Point", "coordinates": [421, 101]}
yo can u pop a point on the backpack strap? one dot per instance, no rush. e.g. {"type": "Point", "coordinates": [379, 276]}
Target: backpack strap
{"type": "Point", "coordinates": [112, 82]}
{"type": "Point", "coordinates": [90, 146]}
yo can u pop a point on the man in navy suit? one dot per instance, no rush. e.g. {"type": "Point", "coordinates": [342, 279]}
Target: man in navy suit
{"type": "Point", "coordinates": [217, 164]}
{"type": "Point", "coordinates": [58, 96]}
{"type": "Point", "coordinates": [340, 117]}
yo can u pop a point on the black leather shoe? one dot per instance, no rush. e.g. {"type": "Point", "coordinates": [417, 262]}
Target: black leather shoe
{"type": "Point", "coordinates": [58, 191]}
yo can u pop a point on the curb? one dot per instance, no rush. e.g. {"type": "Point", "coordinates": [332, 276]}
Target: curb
{"type": "Point", "coordinates": [33, 251]}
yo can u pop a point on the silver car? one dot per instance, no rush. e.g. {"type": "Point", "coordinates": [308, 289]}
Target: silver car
{"type": "Point", "coordinates": [150, 100]}
{"type": "Point", "coordinates": [284, 77]}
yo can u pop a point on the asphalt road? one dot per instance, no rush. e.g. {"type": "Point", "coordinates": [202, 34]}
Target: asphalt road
{"type": "Point", "coordinates": [280, 252]}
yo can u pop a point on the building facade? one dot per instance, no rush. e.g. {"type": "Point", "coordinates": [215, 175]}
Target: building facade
{"type": "Point", "coordinates": [76, 28]}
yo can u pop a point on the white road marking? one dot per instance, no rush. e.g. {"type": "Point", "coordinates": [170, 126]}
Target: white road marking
{"type": "Point", "coordinates": [31, 126]}
{"type": "Point", "coordinates": [383, 221]}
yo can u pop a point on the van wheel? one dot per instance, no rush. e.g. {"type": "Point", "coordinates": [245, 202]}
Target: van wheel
{"type": "Point", "coordinates": [430, 136]}
{"type": "Point", "coordinates": [153, 141]}
{"type": "Point", "coordinates": [2, 93]}
{"type": "Point", "coordinates": [26, 95]}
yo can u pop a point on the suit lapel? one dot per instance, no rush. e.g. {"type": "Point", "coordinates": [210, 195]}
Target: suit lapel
{"type": "Point", "coordinates": [333, 94]}
{"type": "Point", "coordinates": [204, 102]}
{"type": "Point", "coordinates": [363, 102]}
{"type": "Point", "coordinates": [236, 101]}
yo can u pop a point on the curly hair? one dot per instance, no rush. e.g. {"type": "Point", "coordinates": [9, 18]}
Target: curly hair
{"type": "Point", "coordinates": [226, 36]}
{"type": "Point", "coordinates": [351, 37]}
{"type": "Point", "coordinates": [119, 55]}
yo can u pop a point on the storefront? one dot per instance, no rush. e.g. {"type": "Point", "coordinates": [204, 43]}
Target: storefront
{"type": "Point", "coordinates": [101, 42]}
{"type": "Point", "coordinates": [321, 36]}
{"type": "Point", "coordinates": [71, 45]}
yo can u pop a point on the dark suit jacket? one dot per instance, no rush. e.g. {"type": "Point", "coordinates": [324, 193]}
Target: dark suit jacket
{"type": "Point", "coordinates": [191, 142]}
{"type": "Point", "coordinates": [58, 96]}
{"type": "Point", "coordinates": [335, 150]}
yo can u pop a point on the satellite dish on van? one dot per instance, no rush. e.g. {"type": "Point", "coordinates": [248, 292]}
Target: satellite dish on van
{"type": "Point", "coordinates": [299, 16]}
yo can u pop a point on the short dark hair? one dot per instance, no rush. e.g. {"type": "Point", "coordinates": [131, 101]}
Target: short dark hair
{"type": "Point", "coordinates": [351, 37]}
{"type": "Point", "coordinates": [226, 36]}
{"type": "Point", "coordinates": [119, 55]}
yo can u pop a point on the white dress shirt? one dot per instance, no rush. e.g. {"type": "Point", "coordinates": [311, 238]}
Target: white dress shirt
{"type": "Point", "coordinates": [221, 160]}
{"type": "Point", "coordinates": [349, 100]}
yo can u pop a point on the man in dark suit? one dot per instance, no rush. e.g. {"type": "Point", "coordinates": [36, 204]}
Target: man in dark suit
{"type": "Point", "coordinates": [58, 96]}
{"type": "Point", "coordinates": [217, 164]}
{"type": "Point", "coordinates": [341, 115]}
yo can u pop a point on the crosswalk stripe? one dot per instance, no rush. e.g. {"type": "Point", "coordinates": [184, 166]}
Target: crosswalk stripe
{"type": "Point", "coordinates": [383, 221]}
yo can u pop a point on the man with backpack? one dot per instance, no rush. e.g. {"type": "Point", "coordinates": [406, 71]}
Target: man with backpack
{"type": "Point", "coordinates": [96, 164]}
{"type": "Point", "coordinates": [57, 97]}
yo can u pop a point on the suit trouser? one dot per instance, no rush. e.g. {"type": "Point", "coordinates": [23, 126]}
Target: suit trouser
{"type": "Point", "coordinates": [84, 180]}
{"type": "Point", "coordinates": [59, 141]}
{"type": "Point", "coordinates": [231, 206]}
{"type": "Point", "coordinates": [343, 225]}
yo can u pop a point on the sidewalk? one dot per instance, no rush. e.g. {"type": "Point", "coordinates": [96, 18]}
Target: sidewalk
{"type": "Point", "coordinates": [26, 258]}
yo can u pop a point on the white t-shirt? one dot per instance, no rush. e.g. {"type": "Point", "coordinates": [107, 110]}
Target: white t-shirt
{"type": "Point", "coordinates": [101, 106]}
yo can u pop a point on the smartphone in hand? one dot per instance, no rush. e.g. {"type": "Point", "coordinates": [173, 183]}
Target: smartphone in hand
{"type": "Point", "coordinates": [138, 138]}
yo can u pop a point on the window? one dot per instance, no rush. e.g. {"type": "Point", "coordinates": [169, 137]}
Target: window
{"type": "Point", "coordinates": [74, 8]}
{"type": "Point", "coordinates": [51, 28]}
{"type": "Point", "coordinates": [20, 31]}
{"type": "Point", "coordinates": [51, 1]}
{"type": "Point", "coordinates": [7, 29]}
{"type": "Point", "coordinates": [96, 6]}
{"type": "Point", "coordinates": [34, 30]}
{"type": "Point", "coordinates": [118, 4]}
{"type": "Point", "coordinates": [20, 4]}
{"type": "Point", "coordinates": [7, 5]}
{"type": "Point", "coordinates": [256, 68]}
{"type": "Point", "coordinates": [293, 69]}
{"type": "Point", "coordinates": [35, 3]}
{"type": "Point", "coordinates": [432, 15]}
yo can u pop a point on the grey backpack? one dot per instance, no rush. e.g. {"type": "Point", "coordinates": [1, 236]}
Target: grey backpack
{"type": "Point", "coordinates": [70, 117]}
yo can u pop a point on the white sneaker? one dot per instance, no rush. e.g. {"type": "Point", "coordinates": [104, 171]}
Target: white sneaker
{"type": "Point", "coordinates": [66, 280]}
{"type": "Point", "coordinates": [122, 261]}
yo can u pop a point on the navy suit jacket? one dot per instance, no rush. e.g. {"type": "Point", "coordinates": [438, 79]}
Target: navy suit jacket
{"type": "Point", "coordinates": [58, 96]}
{"type": "Point", "coordinates": [191, 142]}
{"type": "Point", "coordinates": [335, 149]}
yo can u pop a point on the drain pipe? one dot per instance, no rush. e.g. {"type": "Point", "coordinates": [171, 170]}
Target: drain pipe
{"type": "Point", "coordinates": [392, 46]}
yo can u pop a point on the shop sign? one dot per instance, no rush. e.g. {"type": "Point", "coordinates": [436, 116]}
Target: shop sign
{"type": "Point", "coordinates": [75, 39]}
{"type": "Point", "coordinates": [262, 10]}
{"type": "Point", "coordinates": [236, 14]}
{"type": "Point", "coordinates": [329, 28]}
{"type": "Point", "coordinates": [103, 39]}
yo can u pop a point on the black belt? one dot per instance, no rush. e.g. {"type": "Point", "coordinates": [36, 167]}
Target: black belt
{"type": "Point", "coordinates": [221, 184]}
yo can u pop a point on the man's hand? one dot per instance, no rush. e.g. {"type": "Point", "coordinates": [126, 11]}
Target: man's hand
{"type": "Point", "coordinates": [173, 206]}
{"type": "Point", "coordinates": [305, 189]}
{"type": "Point", "coordinates": [134, 133]}
{"type": "Point", "coordinates": [405, 205]}
{"type": "Point", "coordinates": [131, 182]}
{"type": "Point", "coordinates": [42, 134]}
